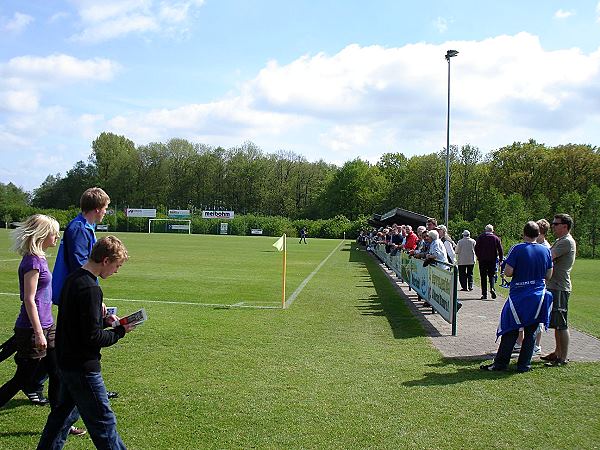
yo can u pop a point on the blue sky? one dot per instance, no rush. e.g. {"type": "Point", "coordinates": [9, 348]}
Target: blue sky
{"type": "Point", "coordinates": [331, 80]}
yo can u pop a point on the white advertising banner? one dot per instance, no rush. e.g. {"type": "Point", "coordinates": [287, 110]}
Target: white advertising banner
{"type": "Point", "coordinates": [217, 214]}
{"type": "Point", "coordinates": [442, 286]}
{"type": "Point", "coordinates": [179, 213]}
{"type": "Point", "coordinates": [140, 212]}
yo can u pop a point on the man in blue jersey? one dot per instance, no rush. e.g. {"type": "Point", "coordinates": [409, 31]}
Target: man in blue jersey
{"type": "Point", "coordinates": [528, 304]}
{"type": "Point", "coordinates": [78, 238]}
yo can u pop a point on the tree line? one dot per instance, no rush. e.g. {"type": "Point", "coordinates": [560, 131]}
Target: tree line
{"type": "Point", "coordinates": [506, 187]}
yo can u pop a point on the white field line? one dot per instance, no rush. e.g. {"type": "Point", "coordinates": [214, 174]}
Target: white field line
{"type": "Point", "coordinates": [174, 302]}
{"type": "Point", "coordinates": [299, 289]}
{"type": "Point", "coordinates": [7, 260]}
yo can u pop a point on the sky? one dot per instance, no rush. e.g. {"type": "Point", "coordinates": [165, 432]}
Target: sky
{"type": "Point", "coordinates": [326, 79]}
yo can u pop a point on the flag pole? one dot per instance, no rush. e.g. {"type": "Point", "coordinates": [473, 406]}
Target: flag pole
{"type": "Point", "coordinates": [284, 267]}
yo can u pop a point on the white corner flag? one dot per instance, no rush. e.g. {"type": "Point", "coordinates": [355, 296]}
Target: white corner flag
{"type": "Point", "coordinates": [279, 243]}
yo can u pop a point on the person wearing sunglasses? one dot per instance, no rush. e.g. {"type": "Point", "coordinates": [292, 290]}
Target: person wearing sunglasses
{"type": "Point", "coordinates": [563, 255]}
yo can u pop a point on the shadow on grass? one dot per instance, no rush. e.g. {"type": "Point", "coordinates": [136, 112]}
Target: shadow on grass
{"type": "Point", "coordinates": [466, 371]}
{"type": "Point", "coordinates": [15, 403]}
{"type": "Point", "coordinates": [19, 434]}
{"type": "Point", "coordinates": [386, 301]}
{"type": "Point", "coordinates": [461, 375]}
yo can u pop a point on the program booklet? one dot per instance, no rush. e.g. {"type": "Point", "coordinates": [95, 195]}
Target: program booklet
{"type": "Point", "coordinates": [135, 318]}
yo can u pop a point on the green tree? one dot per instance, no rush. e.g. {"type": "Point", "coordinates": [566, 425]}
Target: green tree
{"type": "Point", "coordinates": [590, 219]}
{"type": "Point", "coordinates": [357, 187]}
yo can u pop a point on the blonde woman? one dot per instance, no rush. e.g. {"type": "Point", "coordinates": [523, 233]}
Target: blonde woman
{"type": "Point", "coordinates": [34, 328]}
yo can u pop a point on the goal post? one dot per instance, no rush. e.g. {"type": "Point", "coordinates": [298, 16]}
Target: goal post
{"type": "Point", "coordinates": [170, 226]}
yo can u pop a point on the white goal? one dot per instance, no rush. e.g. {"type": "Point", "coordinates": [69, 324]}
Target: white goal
{"type": "Point", "coordinates": [170, 226]}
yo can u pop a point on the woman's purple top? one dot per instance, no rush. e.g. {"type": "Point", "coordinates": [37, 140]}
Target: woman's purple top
{"type": "Point", "coordinates": [43, 294]}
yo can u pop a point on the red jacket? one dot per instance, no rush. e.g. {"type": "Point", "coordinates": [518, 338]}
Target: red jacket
{"type": "Point", "coordinates": [411, 241]}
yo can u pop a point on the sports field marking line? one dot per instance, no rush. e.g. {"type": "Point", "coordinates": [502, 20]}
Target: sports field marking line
{"type": "Point", "coordinates": [7, 260]}
{"type": "Point", "coordinates": [173, 302]}
{"type": "Point", "coordinates": [299, 289]}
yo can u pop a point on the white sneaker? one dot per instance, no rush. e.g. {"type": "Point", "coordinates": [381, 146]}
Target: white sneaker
{"type": "Point", "coordinates": [537, 350]}
{"type": "Point", "coordinates": [517, 348]}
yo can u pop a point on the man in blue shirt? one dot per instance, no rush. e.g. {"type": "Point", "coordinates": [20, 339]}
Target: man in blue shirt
{"type": "Point", "coordinates": [528, 304]}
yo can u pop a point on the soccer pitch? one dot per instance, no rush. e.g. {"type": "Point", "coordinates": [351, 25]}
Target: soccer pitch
{"type": "Point", "coordinates": [220, 365]}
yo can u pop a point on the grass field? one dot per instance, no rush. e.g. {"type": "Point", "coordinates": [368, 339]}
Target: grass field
{"type": "Point", "coordinates": [346, 366]}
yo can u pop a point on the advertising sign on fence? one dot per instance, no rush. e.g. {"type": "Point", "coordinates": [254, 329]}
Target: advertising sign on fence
{"type": "Point", "coordinates": [442, 286]}
{"type": "Point", "coordinates": [217, 214]}
{"type": "Point", "coordinates": [185, 227]}
{"type": "Point", "coordinates": [179, 214]}
{"type": "Point", "coordinates": [140, 212]}
{"type": "Point", "coordinates": [256, 231]}
{"type": "Point", "coordinates": [224, 228]}
{"type": "Point", "coordinates": [419, 277]}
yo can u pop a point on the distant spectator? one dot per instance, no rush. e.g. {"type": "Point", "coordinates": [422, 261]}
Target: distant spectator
{"type": "Point", "coordinates": [448, 243]}
{"type": "Point", "coordinates": [410, 242]}
{"type": "Point", "coordinates": [303, 234]}
{"type": "Point", "coordinates": [431, 224]}
{"type": "Point", "coordinates": [488, 249]}
{"type": "Point", "coordinates": [544, 228]}
{"type": "Point", "coordinates": [465, 256]}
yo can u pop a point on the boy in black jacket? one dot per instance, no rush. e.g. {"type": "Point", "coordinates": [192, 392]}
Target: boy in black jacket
{"type": "Point", "coordinates": [80, 335]}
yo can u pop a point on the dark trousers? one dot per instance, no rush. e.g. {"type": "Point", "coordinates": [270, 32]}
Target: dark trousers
{"type": "Point", "coordinates": [507, 343]}
{"type": "Point", "coordinates": [465, 276]}
{"type": "Point", "coordinates": [26, 370]}
{"type": "Point", "coordinates": [487, 273]}
{"type": "Point", "coordinates": [86, 391]}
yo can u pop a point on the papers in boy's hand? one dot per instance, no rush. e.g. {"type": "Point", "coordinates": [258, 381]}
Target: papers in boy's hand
{"type": "Point", "coordinates": [135, 318]}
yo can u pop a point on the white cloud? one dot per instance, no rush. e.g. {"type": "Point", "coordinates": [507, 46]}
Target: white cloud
{"type": "Point", "coordinates": [58, 16]}
{"type": "Point", "coordinates": [561, 14]}
{"type": "Point", "coordinates": [346, 138]}
{"type": "Point", "coordinates": [56, 69]}
{"type": "Point", "coordinates": [360, 101]}
{"type": "Point", "coordinates": [113, 19]}
{"type": "Point", "coordinates": [19, 101]}
{"type": "Point", "coordinates": [441, 24]}
{"type": "Point", "coordinates": [18, 23]}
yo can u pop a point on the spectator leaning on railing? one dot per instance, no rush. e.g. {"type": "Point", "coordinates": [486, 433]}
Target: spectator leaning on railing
{"type": "Point", "coordinates": [410, 242]}
{"type": "Point", "coordinates": [437, 251]}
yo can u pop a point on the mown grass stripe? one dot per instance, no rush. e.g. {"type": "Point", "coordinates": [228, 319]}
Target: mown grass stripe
{"type": "Point", "coordinates": [299, 289]}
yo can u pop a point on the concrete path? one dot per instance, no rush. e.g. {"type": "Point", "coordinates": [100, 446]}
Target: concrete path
{"type": "Point", "coordinates": [477, 323]}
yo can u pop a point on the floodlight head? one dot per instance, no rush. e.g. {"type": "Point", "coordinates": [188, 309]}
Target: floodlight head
{"type": "Point", "coordinates": [450, 54]}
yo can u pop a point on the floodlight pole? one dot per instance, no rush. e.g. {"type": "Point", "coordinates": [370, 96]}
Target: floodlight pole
{"type": "Point", "coordinates": [449, 54]}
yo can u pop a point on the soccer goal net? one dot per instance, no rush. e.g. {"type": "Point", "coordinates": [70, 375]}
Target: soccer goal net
{"type": "Point", "coordinates": [170, 226]}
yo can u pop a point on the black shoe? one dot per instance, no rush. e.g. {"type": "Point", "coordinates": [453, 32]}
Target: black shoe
{"type": "Point", "coordinates": [112, 394]}
{"type": "Point", "coordinates": [470, 288]}
{"type": "Point", "coordinates": [483, 297]}
{"type": "Point", "coordinates": [37, 398]}
{"type": "Point", "coordinates": [464, 290]}
{"type": "Point", "coordinates": [458, 306]}
{"type": "Point", "coordinates": [493, 294]}
{"type": "Point", "coordinates": [491, 368]}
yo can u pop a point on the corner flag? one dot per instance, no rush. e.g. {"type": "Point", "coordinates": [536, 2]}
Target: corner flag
{"type": "Point", "coordinates": [279, 243]}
